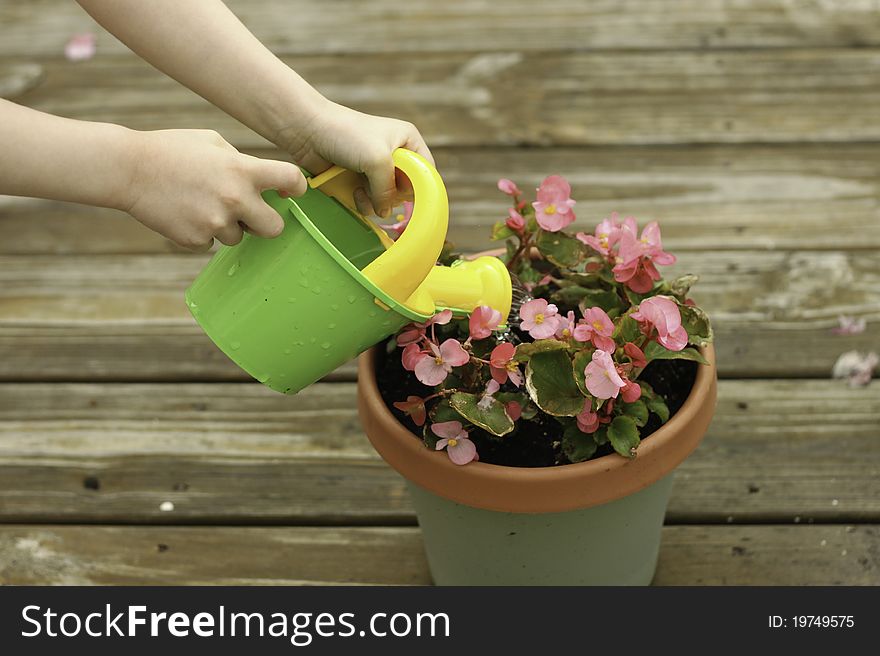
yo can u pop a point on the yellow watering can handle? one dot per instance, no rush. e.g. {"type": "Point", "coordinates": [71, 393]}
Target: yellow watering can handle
{"type": "Point", "coordinates": [401, 269]}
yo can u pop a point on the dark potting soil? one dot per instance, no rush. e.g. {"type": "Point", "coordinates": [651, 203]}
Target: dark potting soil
{"type": "Point", "coordinates": [534, 443]}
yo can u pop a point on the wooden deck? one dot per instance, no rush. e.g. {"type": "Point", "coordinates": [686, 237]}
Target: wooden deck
{"type": "Point", "coordinates": [132, 451]}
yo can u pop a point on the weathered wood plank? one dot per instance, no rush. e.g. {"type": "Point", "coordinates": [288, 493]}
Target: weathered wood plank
{"type": "Point", "coordinates": [777, 451]}
{"type": "Point", "coordinates": [706, 198]}
{"type": "Point", "coordinates": [40, 28]}
{"type": "Point", "coordinates": [689, 555]}
{"type": "Point", "coordinates": [528, 98]}
{"type": "Point", "coordinates": [123, 317]}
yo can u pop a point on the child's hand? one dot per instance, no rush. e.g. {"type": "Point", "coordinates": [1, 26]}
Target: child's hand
{"type": "Point", "coordinates": [192, 186]}
{"type": "Point", "coordinates": [359, 142]}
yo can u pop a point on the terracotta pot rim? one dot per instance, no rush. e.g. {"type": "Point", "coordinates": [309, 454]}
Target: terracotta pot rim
{"type": "Point", "coordinates": [536, 489]}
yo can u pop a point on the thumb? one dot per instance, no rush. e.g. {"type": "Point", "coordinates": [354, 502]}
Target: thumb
{"type": "Point", "coordinates": [383, 187]}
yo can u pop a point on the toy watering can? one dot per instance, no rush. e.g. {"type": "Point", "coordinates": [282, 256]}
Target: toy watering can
{"type": "Point", "coordinates": [290, 310]}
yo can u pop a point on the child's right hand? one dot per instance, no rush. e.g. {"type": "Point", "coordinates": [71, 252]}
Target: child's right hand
{"type": "Point", "coordinates": [192, 186]}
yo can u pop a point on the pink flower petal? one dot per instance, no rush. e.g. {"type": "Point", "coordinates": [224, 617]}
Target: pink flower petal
{"type": "Point", "coordinates": [508, 187]}
{"type": "Point", "coordinates": [80, 47]}
{"type": "Point", "coordinates": [448, 429]}
{"type": "Point", "coordinates": [463, 452]}
{"type": "Point", "coordinates": [429, 372]}
{"type": "Point", "coordinates": [453, 354]}
{"type": "Point", "coordinates": [601, 376]}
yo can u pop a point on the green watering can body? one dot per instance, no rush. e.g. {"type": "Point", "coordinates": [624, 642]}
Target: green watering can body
{"type": "Point", "coordinates": [292, 309]}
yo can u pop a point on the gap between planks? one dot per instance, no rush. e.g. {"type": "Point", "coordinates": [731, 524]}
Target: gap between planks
{"type": "Point", "coordinates": [689, 555]}
{"type": "Point", "coordinates": [777, 452]}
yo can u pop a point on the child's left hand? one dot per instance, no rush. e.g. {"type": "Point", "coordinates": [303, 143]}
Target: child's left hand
{"type": "Point", "coordinates": [359, 142]}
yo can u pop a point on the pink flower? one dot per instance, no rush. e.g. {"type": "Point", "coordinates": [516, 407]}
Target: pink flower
{"type": "Point", "coordinates": [539, 318]}
{"type": "Point", "coordinates": [856, 367]}
{"type": "Point", "coordinates": [411, 355]}
{"type": "Point", "coordinates": [587, 420]}
{"type": "Point", "coordinates": [849, 325]}
{"type": "Point", "coordinates": [662, 314]}
{"type": "Point", "coordinates": [502, 366]}
{"type": "Point", "coordinates": [80, 47]}
{"type": "Point", "coordinates": [631, 391]}
{"type": "Point", "coordinates": [553, 209]}
{"type": "Point", "coordinates": [432, 368]}
{"type": "Point", "coordinates": [488, 393]}
{"type": "Point", "coordinates": [601, 376]}
{"type": "Point", "coordinates": [596, 327]}
{"type": "Point", "coordinates": [566, 328]}
{"type": "Point", "coordinates": [637, 258]}
{"type": "Point", "coordinates": [508, 187]}
{"type": "Point", "coordinates": [396, 229]}
{"type": "Point", "coordinates": [454, 438]}
{"type": "Point", "coordinates": [483, 321]}
{"type": "Point", "coordinates": [607, 234]}
{"type": "Point", "coordinates": [515, 220]}
{"type": "Point", "coordinates": [414, 406]}
{"type": "Point", "coordinates": [636, 355]}
{"type": "Point", "coordinates": [514, 410]}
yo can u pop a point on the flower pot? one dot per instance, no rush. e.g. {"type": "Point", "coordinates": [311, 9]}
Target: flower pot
{"type": "Point", "coordinates": [591, 523]}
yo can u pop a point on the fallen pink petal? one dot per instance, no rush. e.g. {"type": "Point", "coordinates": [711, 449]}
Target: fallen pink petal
{"type": "Point", "coordinates": [81, 47]}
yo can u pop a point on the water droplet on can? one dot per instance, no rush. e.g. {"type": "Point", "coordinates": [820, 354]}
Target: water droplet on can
{"type": "Point", "coordinates": [303, 282]}
{"type": "Point", "coordinates": [334, 307]}
{"type": "Point", "coordinates": [352, 298]}
{"type": "Point", "coordinates": [235, 346]}
{"type": "Point", "coordinates": [263, 379]}
{"type": "Point", "coordinates": [232, 269]}
{"type": "Point", "coordinates": [291, 299]}
{"type": "Point", "coordinates": [287, 351]}
{"type": "Point", "coordinates": [331, 326]}
{"type": "Point", "coordinates": [326, 345]}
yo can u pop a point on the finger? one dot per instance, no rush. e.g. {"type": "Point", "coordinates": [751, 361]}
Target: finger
{"type": "Point", "coordinates": [404, 186]}
{"type": "Point", "coordinates": [362, 201]}
{"type": "Point", "coordinates": [261, 219]}
{"type": "Point", "coordinates": [273, 174]}
{"type": "Point", "coordinates": [417, 144]}
{"type": "Point", "coordinates": [230, 234]}
{"type": "Point", "coordinates": [198, 246]}
{"type": "Point", "coordinates": [383, 187]}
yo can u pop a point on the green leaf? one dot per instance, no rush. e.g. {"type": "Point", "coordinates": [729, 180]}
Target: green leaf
{"type": "Point", "coordinates": [589, 280]}
{"type": "Point", "coordinates": [501, 231]}
{"type": "Point", "coordinates": [490, 416]}
{"type": "Point", "coordinates": [550, 383]}
{"type": "Point", "coordinates": [561, 249]}
{"type": "Point", "coordinates": [636, 298]}
{"type": "Point", "coordinates": [624, 436]}
{"type": "Point", "coordinates": [527, 273]}
{"type": "Point", "coordinates": [626, 329]}
{"type": "Point", "coordinates": [577, 445]}
{"type": "Point", "coordinates": [696, 323]}
{"type": "Point", "coordinates": [656, 351]}
{"type": "Point", "coordinates": [578, 364]}
{"type": "Point", "coordinates": [601, 435]}
{"type": "Point", "coordinates": [681, 286]}
{"type": "Point", "coordinates": [443, 412]}
{"type": "Point", "coordinates": [528, 349]}
{"type": "Point", "coordinates": [658, 406]}
{"type": "Point", "coordinates": [510, 248]}
{"type": "Point", "coordinates": [637, 411]}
